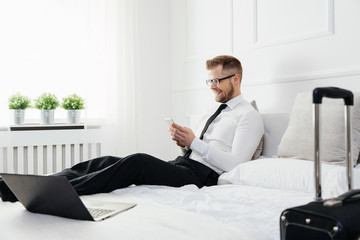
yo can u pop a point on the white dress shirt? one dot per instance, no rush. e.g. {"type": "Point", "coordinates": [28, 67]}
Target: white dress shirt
{"type": "Point", "coordinates": [231, 139]}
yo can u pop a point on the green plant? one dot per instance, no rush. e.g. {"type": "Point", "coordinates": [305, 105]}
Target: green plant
{"type": "Point", "coordinates": [73, 102]}
{"type": "Point", "coordinates": [18, 101]}
{"type": "Point", "coordinates": [46, 101]}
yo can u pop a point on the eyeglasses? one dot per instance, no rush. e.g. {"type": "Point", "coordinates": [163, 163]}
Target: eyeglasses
{"type": "Point", "coordinates": [216, 81]}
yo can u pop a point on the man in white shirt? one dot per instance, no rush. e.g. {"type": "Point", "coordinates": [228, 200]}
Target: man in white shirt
{"type": "Point", "coordinates": [234, 135]}
{"type": "Point", "coordinates": [225, 139]}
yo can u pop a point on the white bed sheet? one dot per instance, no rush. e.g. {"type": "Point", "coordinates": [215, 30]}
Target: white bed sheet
{"type": "Point", "coordinates": [148, 220]}
{"type": "Point", "coordinates": [243, 207]}
{"type": "Point", "coordinates": [217, 212]}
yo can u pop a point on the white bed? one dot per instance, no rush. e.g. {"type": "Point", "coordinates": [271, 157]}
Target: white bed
{"type": "Point", "coordinates": [246, 205]}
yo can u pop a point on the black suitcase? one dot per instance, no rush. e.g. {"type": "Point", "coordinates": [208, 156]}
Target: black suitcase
{"type": "Point", "coordinates": [337, 218]}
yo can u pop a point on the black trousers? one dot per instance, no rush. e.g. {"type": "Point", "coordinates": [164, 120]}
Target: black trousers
{"type": "Point", "coordinates": [106, 174]}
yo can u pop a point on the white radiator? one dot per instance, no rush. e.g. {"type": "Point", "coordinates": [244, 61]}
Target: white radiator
{"type": "Point", "coordinates": [47, 151]}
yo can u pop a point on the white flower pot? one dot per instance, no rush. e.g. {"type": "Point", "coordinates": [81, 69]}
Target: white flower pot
{"type": "Point", "coordinates": [73, 116]}
{"type": "Point", "coordinates": [18, 116]}
{"type": "Point", "coordinates": [47, 117]}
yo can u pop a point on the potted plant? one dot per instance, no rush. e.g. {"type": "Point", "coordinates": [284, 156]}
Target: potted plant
{"type": "Point", "coordinates": [47, 103]}
{"type": "Point", "coordinates": [73, 104]}
{"type": "Point", "coordinates": [18, 103]}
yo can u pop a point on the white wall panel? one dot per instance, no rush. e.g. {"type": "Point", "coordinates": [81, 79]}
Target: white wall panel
{"type": "Point", "coordinates": [282, 21]}
{"type": "Point", "coordinates": [279, 97]}
{"type": "Point", "coordinates": [281, 42]}
{"type": "Point", "coordinates": [208, 27]}
{"type": "Point", "coordinates": [285, 47]}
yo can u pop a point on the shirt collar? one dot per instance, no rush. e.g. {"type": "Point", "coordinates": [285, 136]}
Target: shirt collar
{"type": "Point", "coordinates": [232, 103]}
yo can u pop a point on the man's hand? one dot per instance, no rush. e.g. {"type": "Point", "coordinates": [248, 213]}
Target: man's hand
{"type": "Point", "coordinates": [182, 136]}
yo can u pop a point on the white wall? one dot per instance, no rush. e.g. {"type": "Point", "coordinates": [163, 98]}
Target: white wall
{"type": "Point", "coordinates": [284, 46]}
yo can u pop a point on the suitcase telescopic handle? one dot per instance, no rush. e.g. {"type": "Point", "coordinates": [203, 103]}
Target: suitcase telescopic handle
{"type": "Point", "coordinates": [333, 92]}
{"type": "Point", "coordinates": [318, 95]}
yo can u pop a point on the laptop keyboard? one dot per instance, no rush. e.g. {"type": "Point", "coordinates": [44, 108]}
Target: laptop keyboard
{"type": "Point", "coordinates": [95, 212]}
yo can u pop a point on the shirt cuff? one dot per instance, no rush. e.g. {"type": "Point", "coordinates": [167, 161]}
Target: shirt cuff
{"type": "Point", "coordinates": [200, 147]}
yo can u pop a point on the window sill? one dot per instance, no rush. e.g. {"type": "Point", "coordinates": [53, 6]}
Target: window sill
{"type": "Point", "coordinates": [55, 126]}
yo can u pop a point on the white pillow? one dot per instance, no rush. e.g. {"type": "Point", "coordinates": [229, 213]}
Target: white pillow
{"type": "Point", "coordinates": [290, 174]}
{"type": "Point", "coordinates": [298, 140]}
{"type": "Point", "coordinates": [259, 148]}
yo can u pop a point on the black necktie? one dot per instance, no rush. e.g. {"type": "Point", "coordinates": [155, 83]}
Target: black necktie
{"type": "Point", "coordinates": [218, 111]}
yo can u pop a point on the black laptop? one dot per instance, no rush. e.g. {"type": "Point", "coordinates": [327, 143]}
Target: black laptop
{"type": "Point", "coordinates": [54, 195]}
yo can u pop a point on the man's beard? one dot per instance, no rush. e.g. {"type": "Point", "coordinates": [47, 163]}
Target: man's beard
{"type": "Point", "coordinates": [226, 96]}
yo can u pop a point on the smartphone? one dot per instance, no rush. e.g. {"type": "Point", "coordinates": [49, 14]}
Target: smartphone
{"type": "Point", "coordinates": [169, 121]}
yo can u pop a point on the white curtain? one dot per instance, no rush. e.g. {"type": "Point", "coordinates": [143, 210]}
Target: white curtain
{"type": "Point", "coordinates": [126, 88]}
{"type": "Point", "coordinates": [119, 123]}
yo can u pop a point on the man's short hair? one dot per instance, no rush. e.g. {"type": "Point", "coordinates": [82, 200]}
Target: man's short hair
{"type": "Point", "coordinates": [230, 64]}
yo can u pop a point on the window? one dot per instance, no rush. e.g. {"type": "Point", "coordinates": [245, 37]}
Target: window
{"type": "Point", "coordinates": [54, 46]}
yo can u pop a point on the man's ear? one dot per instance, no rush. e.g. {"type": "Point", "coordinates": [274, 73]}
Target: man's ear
{"type": "Point", "coordinates": [237, 79]}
